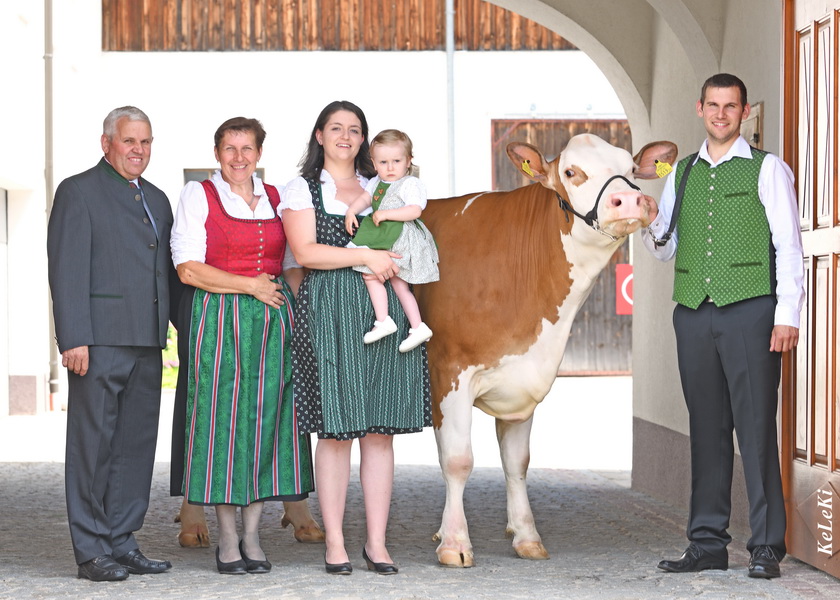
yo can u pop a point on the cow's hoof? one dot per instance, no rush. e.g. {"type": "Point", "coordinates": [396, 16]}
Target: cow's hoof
{"type": "Point", "coordinates": [194, 532]}
{"type": "Point", "coordinates": [449, 557]}
{"type": "Point", "coordinates": [308, 533]}
{"type": "Point", "coordinates": [531, 551]}
{"type": "Point", "coordinates": [194, 539]}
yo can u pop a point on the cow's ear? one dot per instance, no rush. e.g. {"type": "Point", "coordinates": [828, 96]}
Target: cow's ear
{"type": "Point", "coordinates": [655, 160]}
{"type": "Point", "coordinates": [528, 160]}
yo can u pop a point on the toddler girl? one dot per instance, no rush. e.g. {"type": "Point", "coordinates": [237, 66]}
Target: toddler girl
{"type": "Point", "coordinates": [397, 199]}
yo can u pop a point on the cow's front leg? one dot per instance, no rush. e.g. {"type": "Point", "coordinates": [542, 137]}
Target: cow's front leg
{"type": "Point", "coordinates": [456, 462]}
{"type": "Point", "coordinates": [514, 446]}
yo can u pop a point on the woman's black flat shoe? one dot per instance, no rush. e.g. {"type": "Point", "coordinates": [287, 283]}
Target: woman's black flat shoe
{"type": "Point", "coordinates": [254, 566]}
{"type": "Point", "coordinates": [337, 568]}
{"type": "Point", "coordinates": [236, 567]}
{"type": "Point", "coordinates": [380, 568]}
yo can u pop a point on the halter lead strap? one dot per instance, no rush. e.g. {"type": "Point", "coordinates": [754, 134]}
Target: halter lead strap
{"type": "Point", "coordinates": [675, 214]}
{"type": "Point", "coordinates": [591, 218]}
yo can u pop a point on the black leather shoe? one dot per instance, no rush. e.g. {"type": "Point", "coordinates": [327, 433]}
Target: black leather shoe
{"type": "Point", "coordinates": [254, 566]}
{"type": "Point", "coordinates": [102, 568]}
{"type": "Point", "coordinates": [337, 568]}
{"type": "Point", "coordinates": [237, 567]}
{"type": "Point", "coordinates": [138, 564]}
{"type": "Point", "coordinates": [381, 568]}
{"type": "Point", "coordinates": [764, 564]}
{"type": "Point", "coordinates": [694, 559]}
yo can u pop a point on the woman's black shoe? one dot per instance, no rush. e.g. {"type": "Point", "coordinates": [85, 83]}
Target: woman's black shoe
{"type": "Point", "coordinates": [254, 566]}
{"type": "Point", "coordinates": [381, 568]}
{"type": "Point", "coordinates": [236, 567]}
{"type": "Point", "coordinates": [337, 568]}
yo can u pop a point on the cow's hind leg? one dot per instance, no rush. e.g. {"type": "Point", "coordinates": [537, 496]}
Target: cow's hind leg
{"type": "Point", "coordinates": [194, 532]}
{"type": "Point", "coordinates": [456, 462]}
{"type": "Point", "coordinates": [514, 440]}
{"type": "Point", "coordinates": [299, 516]}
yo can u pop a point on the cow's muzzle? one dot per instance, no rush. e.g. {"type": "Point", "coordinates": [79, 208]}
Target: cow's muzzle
{"type": "Point", "coordinates": [591, 218]}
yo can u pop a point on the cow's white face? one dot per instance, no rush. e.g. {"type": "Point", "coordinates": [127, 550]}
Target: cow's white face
{"type": "Point", "coordinates": [585, 174]}
{"type": "Point", "coordinates": [585, 167]}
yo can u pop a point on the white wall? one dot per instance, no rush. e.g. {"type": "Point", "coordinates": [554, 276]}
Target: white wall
{"type": "Point", "coordinates": [657, 394]}
{"type": "Point", "coordinates": [656, 54]}
{"type": "Point", "coordinates": [4, 306]}
{"type": "Point", "coordinates": [756, 59]}
{"type": "Point", "coordinates": [187, 95]}
{"type": "Point", "coordinates": [494, 85]}
{"type": "Point", "coordinates": [22, 174]}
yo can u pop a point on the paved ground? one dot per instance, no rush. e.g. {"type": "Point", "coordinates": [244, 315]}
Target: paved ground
{"type": "Point", "coordinates": [604, 540]}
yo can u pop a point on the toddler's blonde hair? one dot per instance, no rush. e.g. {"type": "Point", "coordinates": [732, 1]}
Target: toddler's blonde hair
{"type": "Point", "coordinates": [386, 137]}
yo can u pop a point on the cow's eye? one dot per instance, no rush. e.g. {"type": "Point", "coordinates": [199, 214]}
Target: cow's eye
{"type": "Point", "coordinates": [569, 173]}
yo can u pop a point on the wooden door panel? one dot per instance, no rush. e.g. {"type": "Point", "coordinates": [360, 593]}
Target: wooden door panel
{"type": "Point", "coordinates": [834, 362]}
{"type": "Point", "coordinates": [813, 521]}
{"type": "Point", "coordinates": [824, 114]}
{"type": "Point", "coordinates": [819, 421]}
{"type": "Point", "coordinates": [811, 404]}
{"type": "Point", "coordinates": [804, 85]}
{"type": "Point", "coordinates": [801, 421]}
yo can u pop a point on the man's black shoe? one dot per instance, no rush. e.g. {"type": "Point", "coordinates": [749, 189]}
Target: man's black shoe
{"type": "Point", "coordinates": [102, 568]}
{"type": "Point", "coordinates": [764, 564]}
{"type": "Point", "coordinates": [137, 564]}
{"type": "Point", "coordinates": [694, 559]}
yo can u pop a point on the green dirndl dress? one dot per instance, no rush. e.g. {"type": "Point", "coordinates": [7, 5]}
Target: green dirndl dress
{"type": "Point", "coordinates": [243, 443]}
{"type": "Point", "coordinates": [345, 389]}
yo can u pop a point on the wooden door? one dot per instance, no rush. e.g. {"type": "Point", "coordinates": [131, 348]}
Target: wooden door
{"type": "Point", "coordinates": [810, 390]}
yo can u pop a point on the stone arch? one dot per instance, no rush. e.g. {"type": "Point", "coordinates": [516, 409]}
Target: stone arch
{"type": "Point", "coordinates": [627, 60]}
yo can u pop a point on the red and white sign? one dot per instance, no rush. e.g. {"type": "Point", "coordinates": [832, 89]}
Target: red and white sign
{"type": "Point", "coordinates": [624, 289]}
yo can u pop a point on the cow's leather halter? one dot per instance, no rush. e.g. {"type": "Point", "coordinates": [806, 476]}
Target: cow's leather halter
{"type": "Point", "coordinates": [591, 218]}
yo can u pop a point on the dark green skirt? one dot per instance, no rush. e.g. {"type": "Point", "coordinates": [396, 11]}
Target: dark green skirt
{"type": "Point", "coordinates": [243, 442]}
{"type": "Point", "coordinates": [345, 388]}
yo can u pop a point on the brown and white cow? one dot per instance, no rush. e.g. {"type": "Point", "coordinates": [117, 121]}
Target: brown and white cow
{"type": "Point", "coordinates": [515, 268]}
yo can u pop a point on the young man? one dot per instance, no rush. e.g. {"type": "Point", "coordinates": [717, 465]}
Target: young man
{"type": "Point", "coordinates": [738, 285]}
{"type": "Point", "coordinates": [108, 249]}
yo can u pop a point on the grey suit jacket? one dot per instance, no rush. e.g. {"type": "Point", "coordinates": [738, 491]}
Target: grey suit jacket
{"type": "Point", "coordinates": [108, 272]}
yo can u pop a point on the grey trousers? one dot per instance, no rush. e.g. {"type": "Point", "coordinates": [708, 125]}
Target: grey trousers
{"type": "Point", "coordinates": [730, 380]}
{"type": "Point", "coordinates": [112, 423]}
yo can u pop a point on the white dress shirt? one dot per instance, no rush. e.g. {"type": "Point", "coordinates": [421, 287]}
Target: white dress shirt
{"type": "Point", "coordinates": [777, 195]}
{"type": "Point", "coordinates": [296, 195]}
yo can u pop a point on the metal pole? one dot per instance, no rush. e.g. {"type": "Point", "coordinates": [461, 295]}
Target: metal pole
{"type": "Point", "coordinates": [450, 90]}
{"type": "Point", "coordinates": [48, 173]}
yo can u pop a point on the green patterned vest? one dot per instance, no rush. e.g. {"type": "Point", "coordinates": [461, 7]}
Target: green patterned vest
{"type": "Point", "coordinates": [724, 249]}
{"type": "Point", "coordinates": [383, 236]}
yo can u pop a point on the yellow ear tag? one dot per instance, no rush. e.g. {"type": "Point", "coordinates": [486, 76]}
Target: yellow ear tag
{"type": "Point", "coordinates": [662, 168]}
{"type": "Point", "coordinates": [526, 168]}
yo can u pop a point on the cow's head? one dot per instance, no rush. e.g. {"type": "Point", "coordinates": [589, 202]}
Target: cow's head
{"type": "Point", "coordinates": [596, 181]}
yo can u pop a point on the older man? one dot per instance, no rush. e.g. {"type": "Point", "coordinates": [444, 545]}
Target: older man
{"type": "Point", "coordinates": [108, 248]}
